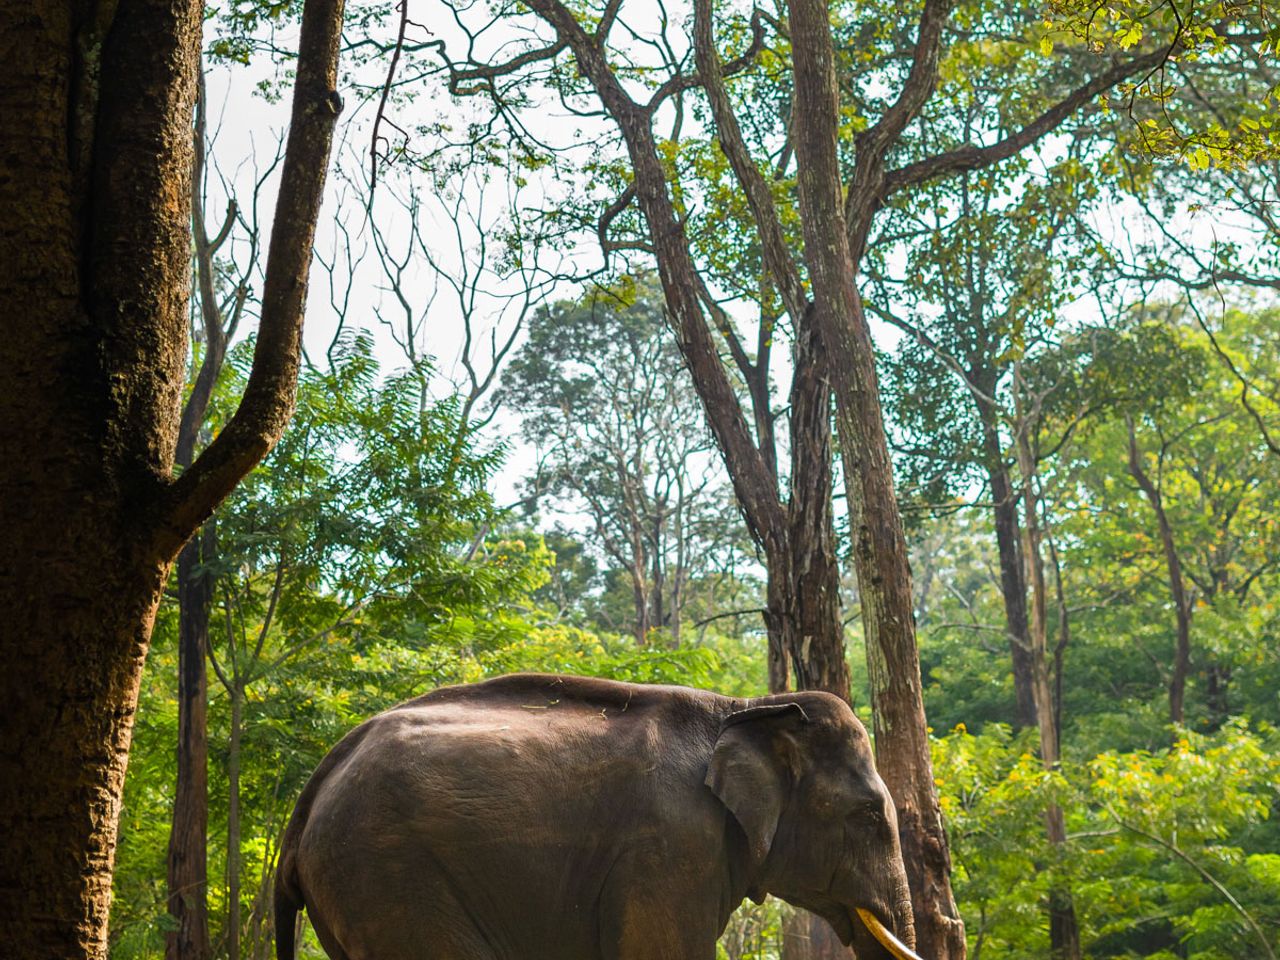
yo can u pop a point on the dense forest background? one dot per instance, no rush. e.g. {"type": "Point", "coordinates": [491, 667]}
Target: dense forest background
{"type": "Point", "coordinates": [500, 461]}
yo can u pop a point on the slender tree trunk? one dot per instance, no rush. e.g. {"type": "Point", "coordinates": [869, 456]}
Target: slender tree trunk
{"type": "Point", "coordinates": [1177, 585]}
{"type": "Point", "coordinates": [233, 822]}
{"type": "Point", "coordinates": [879, 544]}
{"type": "Point", "coordinates": [1064, 638]}
{"type": "Point", "coordinates": [1013, 584]}
{"type": "Point", "coordinates": [1216, 694]}
{"type": "Point", "coordinates": [1064, 932]}
{"type": "Point", "coordinates": [658, 618]}
{"type": "Point", "coordinates": [188, 858]}
{"type": "Point", "coordinates": [188, 838]}
{"type": "Point", "coordinates": [640, 599]}
{"type": "Point", "coordinates": [677, 605]}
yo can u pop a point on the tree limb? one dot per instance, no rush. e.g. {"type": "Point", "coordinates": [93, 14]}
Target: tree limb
{"type": "Point", "coordinates": [681, 81]}
{"type": "Point", "coordinates": [970, 157]}
{"type": "Point", "coordinates": [918, 87]}
{"type": "Point", "coordinates": [1206, 875]}
{"type": "Point", "coordinates": [759, 197]}
{"type": "Point", "coordinates": [268, 400]}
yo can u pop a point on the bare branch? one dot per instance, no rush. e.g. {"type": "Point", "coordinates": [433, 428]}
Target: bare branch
{"type": "Point", "coordinates": [682, 81]}
{"type": "Point", "coordinates": [759, 197]}
{"type": "Point", "coordinates": [379, 116]}
{"type": "Point", "coordinates": [611, 213]}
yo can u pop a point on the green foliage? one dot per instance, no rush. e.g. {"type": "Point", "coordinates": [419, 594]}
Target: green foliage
{"type": "Point", "coordinates": [1207, 797]}
{"type": "Point", "coordinates": [361, 564]}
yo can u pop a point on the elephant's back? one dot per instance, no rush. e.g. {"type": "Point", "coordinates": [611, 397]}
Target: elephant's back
{"type": "Point", "coordinates": [524, 749]}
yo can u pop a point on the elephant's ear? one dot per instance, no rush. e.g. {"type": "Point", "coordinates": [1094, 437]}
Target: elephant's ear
{"type": "Point", "coordinates": [748, 772]}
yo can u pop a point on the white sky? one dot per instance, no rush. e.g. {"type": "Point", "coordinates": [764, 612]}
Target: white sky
{"type": "Point", "coordinates": [247, 126]}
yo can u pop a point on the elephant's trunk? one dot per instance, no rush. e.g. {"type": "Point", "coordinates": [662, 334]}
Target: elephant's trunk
{"type": "Point", "coordinates": [897, 898]}
{"type": "Point", "coordinates": [904, 922]}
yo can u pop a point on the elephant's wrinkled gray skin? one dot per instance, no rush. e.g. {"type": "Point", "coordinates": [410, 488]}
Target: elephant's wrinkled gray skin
{"type": "Point", "coordinates": [535, 817]}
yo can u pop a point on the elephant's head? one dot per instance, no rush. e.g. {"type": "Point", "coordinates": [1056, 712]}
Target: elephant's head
{"type": "Point", "coordinates": [796, 772]}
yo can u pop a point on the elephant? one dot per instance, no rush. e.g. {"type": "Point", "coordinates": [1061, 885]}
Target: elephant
{"type": "Point", "coordinates": [543, 817]}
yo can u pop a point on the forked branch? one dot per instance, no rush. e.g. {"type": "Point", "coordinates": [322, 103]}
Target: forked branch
{"type": "Point", "coordinates": [268, 399]}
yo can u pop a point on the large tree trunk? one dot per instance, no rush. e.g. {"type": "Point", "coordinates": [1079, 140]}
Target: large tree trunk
{"type": "Point", "coordinates": [816, 641]}
{"type": "Point", "coordinates": [188, 838]}
{"type": "Point", "coordinates": [879, 544]}
{"type": "Point", "coordinates": [95, 145]}
{"type": "Point", "coordinates": [87, 428]}
{"type": "Point", "coordinates": [778, 593]}
{"type": "Point", "coordinates": [803, 613]}
{"type": "Point", "coordinates": [73, 663]}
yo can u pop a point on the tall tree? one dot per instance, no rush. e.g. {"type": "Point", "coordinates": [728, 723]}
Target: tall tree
{"type": "Point", "coordinates": [786, 505]}
{"type": "Point", "coordinates": [842, 182]}
{"type": "Point", "coordinates": [988, 284]}
{"type": "Point", "coordinates": [1194, 469]}
{"type": "Point", "coordinates": [612, 412]}
{"type": "Point", "coordinates": [97, 101]}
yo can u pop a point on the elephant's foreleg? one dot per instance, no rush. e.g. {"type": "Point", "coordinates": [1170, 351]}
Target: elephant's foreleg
{"type": "Point", "coordinates": [654, 925]}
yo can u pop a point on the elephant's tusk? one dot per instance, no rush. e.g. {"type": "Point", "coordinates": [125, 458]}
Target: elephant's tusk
{"type": "Point", "coordinates": [886, 937]}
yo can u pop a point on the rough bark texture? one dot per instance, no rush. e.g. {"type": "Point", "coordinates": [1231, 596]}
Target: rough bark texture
{"type": "Point", "coordinates": [92, 363]}
{"type": "Point", "coordinates": [806, 936]}
{"type": "Point", "coordinates": [880, 552]}
{"type": "Point", "coordinates": [816, 643]}
{"type": "Point", "coordinates": [796, 538]}
{"type": "Point", "coordinates": [804, 612]}
{"type": "Point", "coordinates": [95, 166]}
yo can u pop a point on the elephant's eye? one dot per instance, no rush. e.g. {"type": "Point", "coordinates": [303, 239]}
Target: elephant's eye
{"type": "Point", "coordinates": [870, 812]}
